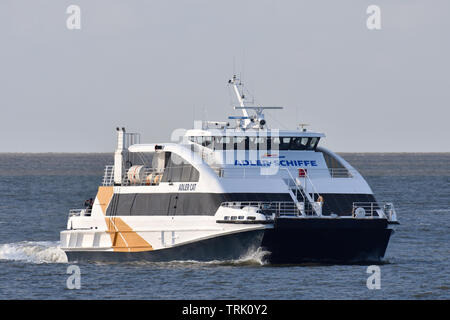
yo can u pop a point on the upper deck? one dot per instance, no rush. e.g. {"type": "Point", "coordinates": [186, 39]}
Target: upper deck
{"type": "Point", "coordinates": [236, 147]}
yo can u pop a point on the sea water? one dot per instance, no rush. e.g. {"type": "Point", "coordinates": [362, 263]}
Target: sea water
{"type": "Point", "coordinates": [37, 190]}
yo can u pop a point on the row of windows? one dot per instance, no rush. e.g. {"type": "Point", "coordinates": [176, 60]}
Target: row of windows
{"type": "Point", "coordinates": [257, 143]}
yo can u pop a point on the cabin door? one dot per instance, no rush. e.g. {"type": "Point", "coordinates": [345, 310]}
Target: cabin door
{"type": "Point", "coordinates": [173, 201]}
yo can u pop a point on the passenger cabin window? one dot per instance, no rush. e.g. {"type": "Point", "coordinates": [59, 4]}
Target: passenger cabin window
{"type": "Point", "coordinates": [336, 168]}
{"type": "Point", "coordinates": [257, 143]}
{"type": "Point", "coordinates": [178, 170]}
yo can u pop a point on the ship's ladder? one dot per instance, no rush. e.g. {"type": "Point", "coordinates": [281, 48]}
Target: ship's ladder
{"type": "Point", "coordinates": [309, 204]}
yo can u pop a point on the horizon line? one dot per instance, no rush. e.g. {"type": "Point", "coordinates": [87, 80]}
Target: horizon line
{"type": "Point", "coordinates": [111, 152]}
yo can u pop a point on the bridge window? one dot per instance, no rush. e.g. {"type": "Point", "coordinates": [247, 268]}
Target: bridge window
{"type": "Point", "coordinates": [313, 143]}
{"type": "Point", "coordinates": [293, 143]}
{"type": "Point", "coordinates": [240, 143]}
{"type": "Point", "coordinates": [280, 143]}
{"type": "Point", "coordinates": [298, 143]}
{"type": "Point", "coordinates": [256, 143]}
{"type": "Point", "coordinates": [253, 143]}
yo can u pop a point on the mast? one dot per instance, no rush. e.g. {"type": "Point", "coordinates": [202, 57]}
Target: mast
{"type": "Point", "coordinates": [247, 121]}
{"type": "Point", "coordinates": [235, 82]}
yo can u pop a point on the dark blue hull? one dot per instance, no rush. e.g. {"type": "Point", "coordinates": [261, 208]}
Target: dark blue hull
{"type": "Point", "coordinates": [327, 240]}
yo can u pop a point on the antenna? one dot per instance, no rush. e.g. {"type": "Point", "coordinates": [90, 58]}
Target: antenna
{"type": "Point", "coordinates": [247, 121]}
{"type": "Point", "coordinates": [302, 126]}
{"type": "Point", "coordinates": [235, 82]}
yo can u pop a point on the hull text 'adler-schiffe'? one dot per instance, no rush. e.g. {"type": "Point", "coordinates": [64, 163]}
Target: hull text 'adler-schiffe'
{"type": "Point", "coordinates": [226, 189]}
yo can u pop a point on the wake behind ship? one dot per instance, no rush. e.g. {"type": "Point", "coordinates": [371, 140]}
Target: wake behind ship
{"type": "Point", "coordinates": [226, 189]}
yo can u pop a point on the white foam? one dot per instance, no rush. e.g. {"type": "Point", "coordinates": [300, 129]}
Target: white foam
{"type": "Point", "coordinates": [50, 252]}
{"type": "Point", "coordinates": [253, 257]}
{"type": "Point", "coordinates": [33, 252]}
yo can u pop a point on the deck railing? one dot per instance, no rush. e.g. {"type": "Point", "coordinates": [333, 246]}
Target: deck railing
{"type": "Point", "coordinates": [339, 172]}
{"type": "Point", "coordinates": [288, 209]}
{"type": "Point", "coordinates": [272, 172]}
{"type": "Point", "coordinates": [253, 172]}
{"type": "Point", "coordinates": [80, 212]}
{"type": "Point", "coordinates": [370, 209]}
{"type": "Point", "coordinates": [108, 176]}
{"type": "Point", "coordinates": [278, 208]}
{"type": "Point", "coordinates": [373, 209]}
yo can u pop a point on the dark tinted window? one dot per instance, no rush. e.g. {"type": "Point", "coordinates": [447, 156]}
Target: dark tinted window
{"type": "Point", "coordinates": [313, 143]}
{"type": "Point", "coordinates": [253, 143]}
{"type": "Point", "coordinates": [218, 143]}
{"type": "Point", "coordinates": [203, 141]}
{"type": "Point", "coordinates": [293, 143]}
{"type": "Point", "coordinates": [280, 143]}
{"type": "Point", "coordinates": [299, 143]}
{"type": "Point", "coordinates": [179, 170]}
{"type": "Point", "coordinates": [207, 142]}
{"type": "Point", "coordinates": [258, 143]}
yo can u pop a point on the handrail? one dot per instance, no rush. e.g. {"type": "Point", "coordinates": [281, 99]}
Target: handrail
{"type": "Point", "coordinates": [373, 208]}
{"type": "Point", "coordinates": [339, 172]}
{"type": "Point", "coordinates": [280, 208]}
{"type": "Point", "coordinates": [253, 172]}
{"type": "Point", "coordinates": [288, 208]}
{"type": "Point", "coordinates": [80, 212]}
{"type": "Point", "coordinates": [304, 192]}
{"type": "Point", "coordinates": [296, 187]}
{"type": "Point", "coordinates": [370, 208]}
{"type": "Point", "coordinates": [108, 175]}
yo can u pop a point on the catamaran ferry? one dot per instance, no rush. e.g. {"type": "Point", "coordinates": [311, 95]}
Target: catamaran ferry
{"type": "Point", "coordinates": [225, 189]}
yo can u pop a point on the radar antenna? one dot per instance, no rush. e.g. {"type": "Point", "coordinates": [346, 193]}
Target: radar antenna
{"type": "Point", "coordinates": [303, 126]}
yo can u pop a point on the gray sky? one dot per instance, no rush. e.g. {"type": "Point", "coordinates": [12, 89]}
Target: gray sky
{"type": "Point", "coordinates": [153, 65]}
